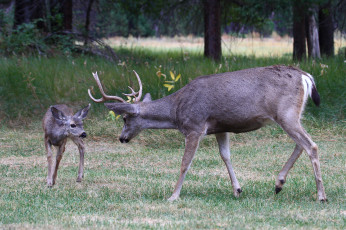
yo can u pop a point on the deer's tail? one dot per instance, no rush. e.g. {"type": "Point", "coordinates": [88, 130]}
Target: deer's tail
{"type": "Point", "coordinates": [310, 89]}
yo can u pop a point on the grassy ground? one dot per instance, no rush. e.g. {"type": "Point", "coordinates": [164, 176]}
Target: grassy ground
{"type": "Point", "coordinates": [127, 185]}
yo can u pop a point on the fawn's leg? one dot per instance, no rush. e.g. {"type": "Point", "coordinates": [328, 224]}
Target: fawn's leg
{"type": "Point", "coordinates": [49, 153]}
{"type": "Point", "coordinates": [61, 150]}
{"type": "Point", "coordinates": [79, 142]}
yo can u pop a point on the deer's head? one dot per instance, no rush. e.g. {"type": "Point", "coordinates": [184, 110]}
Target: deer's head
{"type": "Point", "coordinates": [133, 122]}
{"type": "Point", "coordinates": [72, 124]}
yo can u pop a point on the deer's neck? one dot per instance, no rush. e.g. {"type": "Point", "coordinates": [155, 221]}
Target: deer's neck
{"type": "Point", "coordinates": [158, 114]}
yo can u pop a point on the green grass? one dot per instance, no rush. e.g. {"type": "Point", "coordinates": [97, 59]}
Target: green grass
{"type": "Point", "coordinates": [29, 85]}
{"type": "Point", "coordinates": [127, 186]}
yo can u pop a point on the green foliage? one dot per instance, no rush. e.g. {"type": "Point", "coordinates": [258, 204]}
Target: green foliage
{"type": "Point", "coordinates": [24, 39]}
{"type": "Point", "coordinates": [28, 39]}
{"type": "Point", "coordinates": [116, 15]}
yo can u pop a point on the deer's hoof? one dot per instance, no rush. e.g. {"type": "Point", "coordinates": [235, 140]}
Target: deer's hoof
{"type": "Point", "coordinates": [325, 200]}
{"type": "Point", "coordinates": [237, 192]}
{"type": "Point", "coordinates": [79, 179]}
{"type": "Point", "coordinates": [50, 183]}
{"type": "Point", "coordinates": [277, 189]}
{"type": "Point", "coordinates": [173, 198]}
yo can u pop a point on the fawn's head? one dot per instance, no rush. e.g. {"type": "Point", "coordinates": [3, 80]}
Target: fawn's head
{"type": "Point", "coordinates": [72, 124]}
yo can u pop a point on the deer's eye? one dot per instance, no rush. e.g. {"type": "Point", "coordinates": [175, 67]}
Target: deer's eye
{"type": "Point", "coordinates": [73, 126]}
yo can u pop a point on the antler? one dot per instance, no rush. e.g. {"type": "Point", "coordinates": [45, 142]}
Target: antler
{"type": "Point", "coordinates": [133, 93]}
{"type": "Point", "coordinates": [106, 97]}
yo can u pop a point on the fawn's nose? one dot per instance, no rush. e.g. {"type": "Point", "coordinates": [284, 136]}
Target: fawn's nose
{"type": "Point", "coordinates": [83, 135]}
{"type": "Point", "coordinates": [123, 140]}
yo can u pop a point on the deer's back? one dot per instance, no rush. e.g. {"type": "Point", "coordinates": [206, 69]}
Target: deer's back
{"type": "Point", "coordinates": [239, 101]}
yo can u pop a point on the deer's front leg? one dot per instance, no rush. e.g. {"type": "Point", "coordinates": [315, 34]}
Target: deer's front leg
{"type": "Point", "coordinates": [49, 152]}
{"type": "Point", "coordinates": [191, 145]}
{"type": "Point", "coordinates": [223, 141]}
{"type": "Point", "coordinates": [79, 142]}
{"type": "Point", "coordinates": [61, 150]}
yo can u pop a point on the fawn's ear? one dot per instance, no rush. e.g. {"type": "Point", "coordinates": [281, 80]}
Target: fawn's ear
{"type": "Point", "coordinates": [147, 97]}
{"type": "Point", "coordinates": [123, 108]}
{"type": "Point", "coordinates": [57, 114]}
{"type": "Point", "coordinates": [81, 114]}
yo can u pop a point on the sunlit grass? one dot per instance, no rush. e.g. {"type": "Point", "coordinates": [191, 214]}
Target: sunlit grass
{"type": "Point", "coordinates": [251, 45]}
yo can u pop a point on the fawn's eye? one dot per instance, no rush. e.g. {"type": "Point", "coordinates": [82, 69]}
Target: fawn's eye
{"type": "Point", "coordinates": [73, 126]}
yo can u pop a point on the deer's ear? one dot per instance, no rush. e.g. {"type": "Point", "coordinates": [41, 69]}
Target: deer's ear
{"type": "Point", "coordinates": [81, 114]}
{"type": "Point", "coordinates": [147, 97]}
{"type": "Point", "coordinates": [57, 114]}
{"type": "Point", "coordinates": [122, 108]}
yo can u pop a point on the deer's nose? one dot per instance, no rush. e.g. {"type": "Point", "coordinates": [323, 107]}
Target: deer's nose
{"type": "Point", "coordinates": [123, 140]}
{"type": "Point", "coordinates": [83, 135]}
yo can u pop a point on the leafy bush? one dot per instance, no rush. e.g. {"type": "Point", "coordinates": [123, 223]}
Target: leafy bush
{"type": "Point", "coordinates": [24, 39]}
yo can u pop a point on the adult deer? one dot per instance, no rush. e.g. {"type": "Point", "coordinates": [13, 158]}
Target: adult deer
{"type": "Point", "coordinates": [237, 102]}
{"type": "Point", "coordinates": [59, 124]}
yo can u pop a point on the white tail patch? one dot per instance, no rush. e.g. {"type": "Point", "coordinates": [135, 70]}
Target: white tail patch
{"type": "Point", "coordinates": [308, 82]}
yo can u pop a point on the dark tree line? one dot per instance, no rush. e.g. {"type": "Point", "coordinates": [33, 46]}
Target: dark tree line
{"type": "Point", "coordinates": [311, 22]}
{"type": "Point", "coordinates": [55, 15]}
{"type": "Point", "coordinates": [318, 35]}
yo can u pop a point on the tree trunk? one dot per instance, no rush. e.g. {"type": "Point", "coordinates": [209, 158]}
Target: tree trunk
{"type": "Point", "coordinates": [87, 22]}
{"type": "Point", "coordinates": [212, 29]}
{"type": "Point", "coordinates": [326, 30]}
{"type": "Point", "coordinates": [66, 10]}
{"type": "Point", "coordinates": [299, 46]}
{"type": "Point", "coordinates": [21, 12]}
{"type": "Point", "coordinates": [312, 36]}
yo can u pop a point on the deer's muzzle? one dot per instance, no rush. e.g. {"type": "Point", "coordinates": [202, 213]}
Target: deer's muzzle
{"type": "Point", "coordinates": [123, 140]}
{"type": "Point", "coordinates": [83, 135]}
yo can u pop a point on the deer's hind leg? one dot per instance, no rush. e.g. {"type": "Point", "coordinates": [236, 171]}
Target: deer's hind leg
{"type": "Point", "coordinates": [49, 153]}
{"type": "Point", "coordinates": [223, 141]}
{"type": "Point", "coordinates": [281, 179]}
{"type": "Point", "coordinates": [294, 129]}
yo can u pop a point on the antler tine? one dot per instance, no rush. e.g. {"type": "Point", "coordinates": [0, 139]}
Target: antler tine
{"type": "Point", "coordinates": [133, 93]}
{"type": "Point", "coordinates": [105, 97]}
{"type": "Point", "coordinates": [140, 88]}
